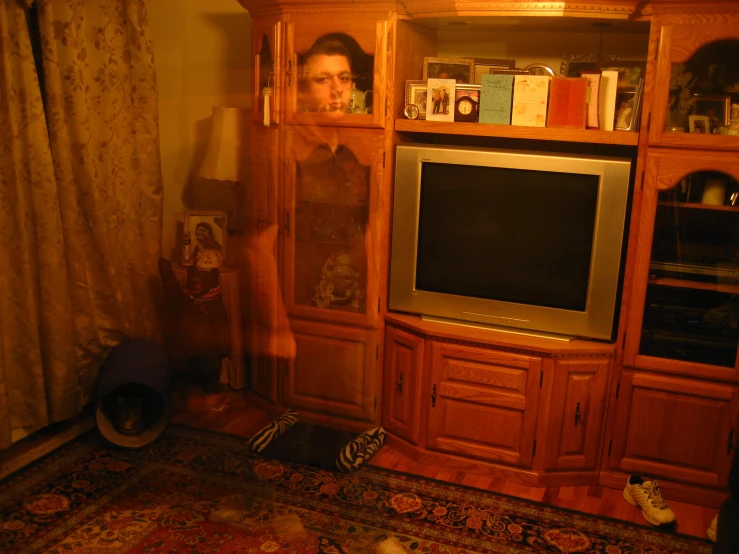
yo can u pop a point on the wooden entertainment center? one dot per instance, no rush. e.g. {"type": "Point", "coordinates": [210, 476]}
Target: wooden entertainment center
{"type": "Point", "coordinates": [661, 400]}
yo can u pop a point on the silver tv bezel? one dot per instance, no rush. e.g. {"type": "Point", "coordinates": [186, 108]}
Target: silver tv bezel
{"type": "Point", "coordinates": [595, 322]}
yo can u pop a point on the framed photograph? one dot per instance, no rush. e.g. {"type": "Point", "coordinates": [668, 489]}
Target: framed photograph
{"type": "Point", "coordinates": [629, 73]}
{"type": "Point", "coordinates": [484, 65]}
{"type": "Point", "coordinates": [700, 124]}
{"type": "Point", "coordinates": [462, 70]}
{"type": "Point", "coordinates": [416, 92]}
{"type": "Point", "coordinates": [207, 231]}
{"type": "Point", "coordinates": [714, 106]}
{"type": "Point", "coordinates": [440, 100]}
{"type": "Point", "coordinates": [625, 104]}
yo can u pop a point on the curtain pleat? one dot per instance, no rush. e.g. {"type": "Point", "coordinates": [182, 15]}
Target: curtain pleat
{"type": "Point", "coordinates": [80, 201]}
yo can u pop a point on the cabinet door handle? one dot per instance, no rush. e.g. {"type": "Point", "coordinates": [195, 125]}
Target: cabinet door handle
{"type": "Point", "coordinates": [730, 443]}
{"type": "Point", "coordinates": [433, 397]}
{"type": "Point", "coordinates": [287, 224]}
{"type": "Point", "coordinates": [289, 73]}
{"type": "Point", "coordinates": [399, 384]}
{"type": "Point", "coordinates": [578, 415]}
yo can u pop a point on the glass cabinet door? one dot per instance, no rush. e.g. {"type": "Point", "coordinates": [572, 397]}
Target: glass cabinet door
{"type": "Point", "coordinates": [686, 294]}
{"type": "Point", "coordinates": [334, 71]}
{"type": "Point", "coordinates": [696, 101]}
{"type": "Point", "coordinates": [329, 226]}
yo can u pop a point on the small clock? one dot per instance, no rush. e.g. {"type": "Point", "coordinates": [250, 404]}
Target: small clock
{"type": "Point", "coordinates": [466, 108]}
{"type": "Point", "coordinates": [411, 111]}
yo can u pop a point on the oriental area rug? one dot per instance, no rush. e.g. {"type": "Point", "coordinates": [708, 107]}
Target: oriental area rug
{"type": "Point", "coordinates": [200, 492]}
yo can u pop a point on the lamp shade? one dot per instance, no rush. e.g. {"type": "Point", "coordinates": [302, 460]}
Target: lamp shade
{"type": "Point", "coordinates": [222, 160]}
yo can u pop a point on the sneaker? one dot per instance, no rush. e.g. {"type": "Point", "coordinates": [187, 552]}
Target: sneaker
{"type": "Point", "coordinates": [646, 495]}
{"type": "Point", "coordinates": [711, 531]}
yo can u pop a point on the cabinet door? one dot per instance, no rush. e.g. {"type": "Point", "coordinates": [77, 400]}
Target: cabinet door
{"type": "Point", "coordinates": [576, 414]}
{"type": "Point", "coordinates": [697, 76]}
{"type": "Point", "coordinates": [336, 69]}
{"type": "Point", "coordinates": [334, 371]}
{"type": "Point", "coordinates": [401, 374]}
{"type": "Point", "coordinates": [684, 315]}
{"type": "Point", "coordinates": [267, 55]}
{"type": "Point", "coordinates": [483, 403]}
{"type": "Point", "coordinates": [331, 262]}
{"type": "Point", "coordinates": [679, 429]}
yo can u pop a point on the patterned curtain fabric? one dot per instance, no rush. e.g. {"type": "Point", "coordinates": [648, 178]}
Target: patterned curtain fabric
{"type": "Point", "coordinates": [81, 201]}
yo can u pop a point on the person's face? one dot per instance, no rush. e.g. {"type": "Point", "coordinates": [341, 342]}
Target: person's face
{"type": "Point", "coordinates": [201, 233]}
{"type": "Point", "coordinates": [329, 83]}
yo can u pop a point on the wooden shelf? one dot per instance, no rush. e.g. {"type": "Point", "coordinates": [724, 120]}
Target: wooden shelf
{"type": "Point", "coordinates": [699, 206]}
{"type": "Point", "coordinates": [682, 283]}
{"type": "Point", "coordinates": [625, 138]}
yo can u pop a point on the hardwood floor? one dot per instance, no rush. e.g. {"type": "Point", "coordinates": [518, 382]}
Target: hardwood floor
{"type": "Point", "coordinates": [238, 418]}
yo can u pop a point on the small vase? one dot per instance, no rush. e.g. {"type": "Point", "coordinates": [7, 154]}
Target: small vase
{"type": "Point", "coordinates": [676, 122]}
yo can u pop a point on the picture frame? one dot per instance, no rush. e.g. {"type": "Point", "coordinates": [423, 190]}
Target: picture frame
{"type": "Point", "coordinates": [416, 92]}
{"type": "Point", "coordinates": [629, 73]}
{"type": "Point", "coordinates": [574, 62]}
{"type": "Point", "coordinates": [699, 124]}
{"type": "Point", "coordinates": [626, 102]}
{"type": "Point", "coordinates": [208, 222]}
{"type": "Point", "coordinates": [473, 91]}
{"type": "Point", "coordinates": [483, 66]}
{"type": "Point", "coordinates": [440, 100]}
{"type": "Point", "coordinates": [714, 106]}
{"type": "Point", "coordinates": [462, 70]}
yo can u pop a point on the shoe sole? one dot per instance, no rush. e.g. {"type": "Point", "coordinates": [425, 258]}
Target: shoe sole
{"type": "Point", "coordinates": [644, 514]}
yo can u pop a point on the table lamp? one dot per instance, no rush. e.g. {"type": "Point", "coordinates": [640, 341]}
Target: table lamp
{"type": "Point", "coordinates": [223, 157]}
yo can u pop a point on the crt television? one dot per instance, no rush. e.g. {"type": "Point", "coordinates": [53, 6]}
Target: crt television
{"type": "Point", "coordinates": [522, 241]}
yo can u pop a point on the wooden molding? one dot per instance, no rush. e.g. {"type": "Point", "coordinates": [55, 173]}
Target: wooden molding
{"type": "Point", "coordinates": [690, 6]}
{"type": "Point", "coordinates": [591, 8]}
{"type": "Point", "coordinates": [270, 7]}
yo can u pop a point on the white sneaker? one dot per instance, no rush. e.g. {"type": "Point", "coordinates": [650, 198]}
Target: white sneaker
{"type": "Point", "coordinates": [711, 531]}
{"type": "Point", "coordinates": [646, 495]}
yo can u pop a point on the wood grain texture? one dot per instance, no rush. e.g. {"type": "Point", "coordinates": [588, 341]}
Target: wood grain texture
{"type": "Point", "coordinates": [675, 428]}
{"type": "Point", "coordinates": [592, 136]}
{"type": "Point", "coordinates": [419, 9]}
{"type": "Point", "coordinates": [523, 344]}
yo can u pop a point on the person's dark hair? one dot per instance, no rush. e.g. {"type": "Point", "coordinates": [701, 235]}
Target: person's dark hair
{"type": "Point", "coordinates": [328, 47]}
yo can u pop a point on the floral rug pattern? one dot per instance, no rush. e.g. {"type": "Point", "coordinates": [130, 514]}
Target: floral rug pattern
{"type": "Point", "coordinates": [199, 492]}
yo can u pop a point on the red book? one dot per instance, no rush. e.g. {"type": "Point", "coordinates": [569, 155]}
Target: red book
{"type": "Point", "coordinates": [567, 102]}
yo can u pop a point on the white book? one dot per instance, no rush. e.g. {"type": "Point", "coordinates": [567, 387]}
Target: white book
{"type": "Point", "coordinates": [607, 99]}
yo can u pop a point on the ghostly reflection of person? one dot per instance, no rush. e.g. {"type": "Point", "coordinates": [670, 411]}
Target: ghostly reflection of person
{"type": "Point", "coordinates": [326, 78]}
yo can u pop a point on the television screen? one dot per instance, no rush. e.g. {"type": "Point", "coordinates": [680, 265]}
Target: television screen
{"type": "Point", "coordinates": [506, 234]}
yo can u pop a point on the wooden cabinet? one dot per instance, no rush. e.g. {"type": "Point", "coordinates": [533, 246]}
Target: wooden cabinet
{"type": "Point", "coordinates": [697, 74]}
{"type": "Point", "coordinates": [684, 317]}
{"type": "Point", "coordinates": [483, 403]}
{"type": "Point", "coordinates": [403, 367]}
{"type": "Point", "coordinates": [321, 238]}
{"type": "Point", "coordinates": [521, 408]}
{"type": "Point", "coordinates": [334, 371]}
{"type": "Point", "coordinates": [675, 428]}
{"type": "Point", "coordinates": [576, 414]}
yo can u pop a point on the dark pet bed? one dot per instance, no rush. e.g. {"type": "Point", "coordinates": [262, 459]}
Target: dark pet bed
{"type": "Point", "coordinates": [291, 440]}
